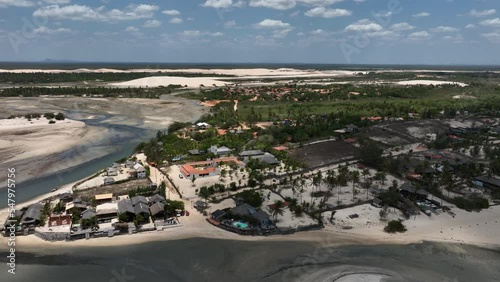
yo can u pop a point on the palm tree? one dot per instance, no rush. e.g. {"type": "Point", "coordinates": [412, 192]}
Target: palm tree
{"type": "Point", "coordinates": [278, 209]}
{"type": "Point", "coordinates": [366, 172]}
{"type": "Point", "coordinates": [355, 179]}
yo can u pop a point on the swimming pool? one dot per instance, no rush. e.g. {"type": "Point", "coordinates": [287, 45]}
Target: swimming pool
{"type": "Point", "coordinates": [240, 225]}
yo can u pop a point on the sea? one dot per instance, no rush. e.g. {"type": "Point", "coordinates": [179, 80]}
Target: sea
{"type": "Point", "coordinates": [200, 259]}
{"type": "Point", "coordinates": [156, 65]}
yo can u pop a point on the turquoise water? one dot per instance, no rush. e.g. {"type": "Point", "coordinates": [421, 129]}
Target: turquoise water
{"type": "Point", "coordinates": [239, 224]}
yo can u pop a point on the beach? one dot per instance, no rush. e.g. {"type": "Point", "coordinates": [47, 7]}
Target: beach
{"type": "Point", "coordinates": [93, 129]}
{"type": "Point", "coordinates": [201, 259]}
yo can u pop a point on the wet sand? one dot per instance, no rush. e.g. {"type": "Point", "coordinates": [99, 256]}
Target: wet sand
{"type": "Point", "coordinates": [200, 259]}
{"type": "Point", "coordinates": [39, 150]}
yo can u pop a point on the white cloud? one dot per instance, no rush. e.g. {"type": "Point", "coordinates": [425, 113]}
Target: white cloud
{"type": "Point", "coordinates": [218, 4]}
{"type": "Point", "coordinates": [16, 3]}
{"type": "Point", "coordinates": [273, 4]}
{"type": "Point", "coordinates": [483, 13]}
{"type": "Point", "coordinates": [46, 30]}
{"type": "Point", "coordinates": [57, 1]}
{"type": "Point", "coordinates": [401, 26]}
{"type": "Point", "coordinates": [364, 25]}
{"type": "Point", "coordinates": [281, 33]}
{"type": "Point", "coordinates": [197, 33]}
{"type": "Point", "coordinates": [230, 24]}
{"type": "Point", "coordinates": [420, 15]}
{"type": "Point", "coordinates": [131, 29]}
{"type": "Point", "coordinates": [171, 12]}
{"type": "Point", "coordinates": [494, 36]}
{"type": "Point", "coordinates": [175, 21]}
{"type": "Point", "coordinates": [470, 26]}
{"type": "Point", "coordinates": [86, 13]}
{"type": "Point", "coordinates": [444, 29]}
{"type": "Point", "coordinates": [327, 13]}
{"type": "Point", "coordinates": [383, 14]}
{"type": "Point", "coordinates": [319, 2]}
{"type": "Point", "coordinates": [420, 35]}
{"type": "Point", "coordinates": [384, 34]}
{"type": "Point", "coordinates": [268, 23]}
{"type": "Point", "coordinates": [455, 38]}
{"type": "Point", "coordinates": [151, 24]}
{"type": "Point", "coordinates": [492, 22]}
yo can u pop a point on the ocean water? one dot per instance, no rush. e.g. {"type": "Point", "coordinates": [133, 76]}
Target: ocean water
{"type": "Point", "coordinates": [239, 261]}
{"type": "Point", "coordinates": [156, 65]}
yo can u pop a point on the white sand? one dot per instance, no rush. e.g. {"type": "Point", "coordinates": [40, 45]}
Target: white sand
{"type": "Point", "coordinates": [430, 82]}
{"type": "Point", "coordinates": [481, 228]}
{"type": "Point", "coordinates": [156, 81]}
{"type": "Point", "coordinates": [32, 146]}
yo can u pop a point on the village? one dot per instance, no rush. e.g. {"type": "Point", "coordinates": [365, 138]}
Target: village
{"type": "Point", "coordinates": [376, 176]}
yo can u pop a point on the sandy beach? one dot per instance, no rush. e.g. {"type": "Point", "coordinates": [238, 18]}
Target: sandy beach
{"type": "Point", "coordinates": [38, 148]}
{"type": "Point", "coordinates": [34, 146]}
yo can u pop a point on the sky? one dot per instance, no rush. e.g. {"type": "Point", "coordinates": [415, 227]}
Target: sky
{"type": "Point", "coordinates": [457, 32]}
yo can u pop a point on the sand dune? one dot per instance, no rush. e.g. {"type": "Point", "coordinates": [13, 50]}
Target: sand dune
{"type": "Point", "coordinates": [430, 82]}
{"type": "Point", "coordinates": [157, 81]}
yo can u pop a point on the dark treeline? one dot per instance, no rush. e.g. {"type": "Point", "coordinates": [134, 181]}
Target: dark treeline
{"type": "Point", "coordinates": [41, 77]}
{"type": "Point", "coordinates": [80, 91]}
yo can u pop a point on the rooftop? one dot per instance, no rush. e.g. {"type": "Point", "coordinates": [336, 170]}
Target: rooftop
{"type": "Point", "coordinates": [108, 196]}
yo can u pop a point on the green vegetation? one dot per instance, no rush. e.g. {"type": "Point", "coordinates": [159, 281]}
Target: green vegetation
{"type": "Point", "coordinates": [250, 197]}
{"type": "Point", "coordinates": [395, 226]}
{"type": "Point", "coordinates": [41, 77]}
{"type": "Point", "coordinates": [152, 93]}
{"type": "Point", "coordinates": [474, 203]}
{"type": "Point", "coordinates": [172, 206]}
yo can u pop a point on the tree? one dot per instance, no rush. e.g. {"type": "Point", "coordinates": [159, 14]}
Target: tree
{"type": "Point", "coordinates": [60, 116]}
{"type": "Point", "coordinates": [204, 193]}
{"type": "Point", "coordinates": [371, 155]}
{"type": "Point", "coordinates": [138, 219]}
{"type": "Point", "coordinates": [395, 226]}
{"type": "Point", "coordinates": [355, 180]}
{"type": "Point", "coordinates": [277, 209]}
{"type": "Point", "coordinates": [251, 197]}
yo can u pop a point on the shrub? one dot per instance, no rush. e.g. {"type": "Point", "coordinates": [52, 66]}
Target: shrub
{"type": "Point", "coordinates": [474, 203]}
{"type": "Point", "coordinates": [60, 116]}
{"type": "Point", "coordinates": [250, 197]}
{"type": "Point", "coordinates": [395, 226]}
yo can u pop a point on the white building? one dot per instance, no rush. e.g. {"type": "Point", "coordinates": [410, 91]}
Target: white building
{"type": "Point", "coordinates": [141, 171]}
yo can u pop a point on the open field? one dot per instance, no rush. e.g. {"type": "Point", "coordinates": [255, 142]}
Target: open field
{"type": "Point", "coordinates": [324, 153]}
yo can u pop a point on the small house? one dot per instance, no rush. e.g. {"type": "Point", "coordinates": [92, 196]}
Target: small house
{"type": "Point", "coordinates": [88, 214]}
{"type": "Point", "coordinates": [488, 182]}
{"type": "Point", "coordinates": [220, 151]}
{"type": "Point", "coordinates": [139, 199]}
{"type": "Point", "coordinates": [217, 215]}
{"type": "Point", "coordinates": [111, 171]}
{"type": "Point", "coordinates": [140, 170]}
{"type": "Point", "coordinates": [32, 216]}
{"type": "Point", "coordinates": [156, 198]}
{"type": "Point", "coordinates": [126, 210]}
{"type": "Point", "coordinates": [104, 198]}
{"type": "Point", "coordinates": [108, 180]}
{"type": "Point", "coordinates": [142, 209]}
{"type": "Point", "coordinates": [59, 220]}
{"type": "Point", "coordinates": [157, 210]}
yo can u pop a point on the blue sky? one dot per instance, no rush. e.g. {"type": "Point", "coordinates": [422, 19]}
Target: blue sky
{"type": "Point", "coordinates": [281, 31]}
